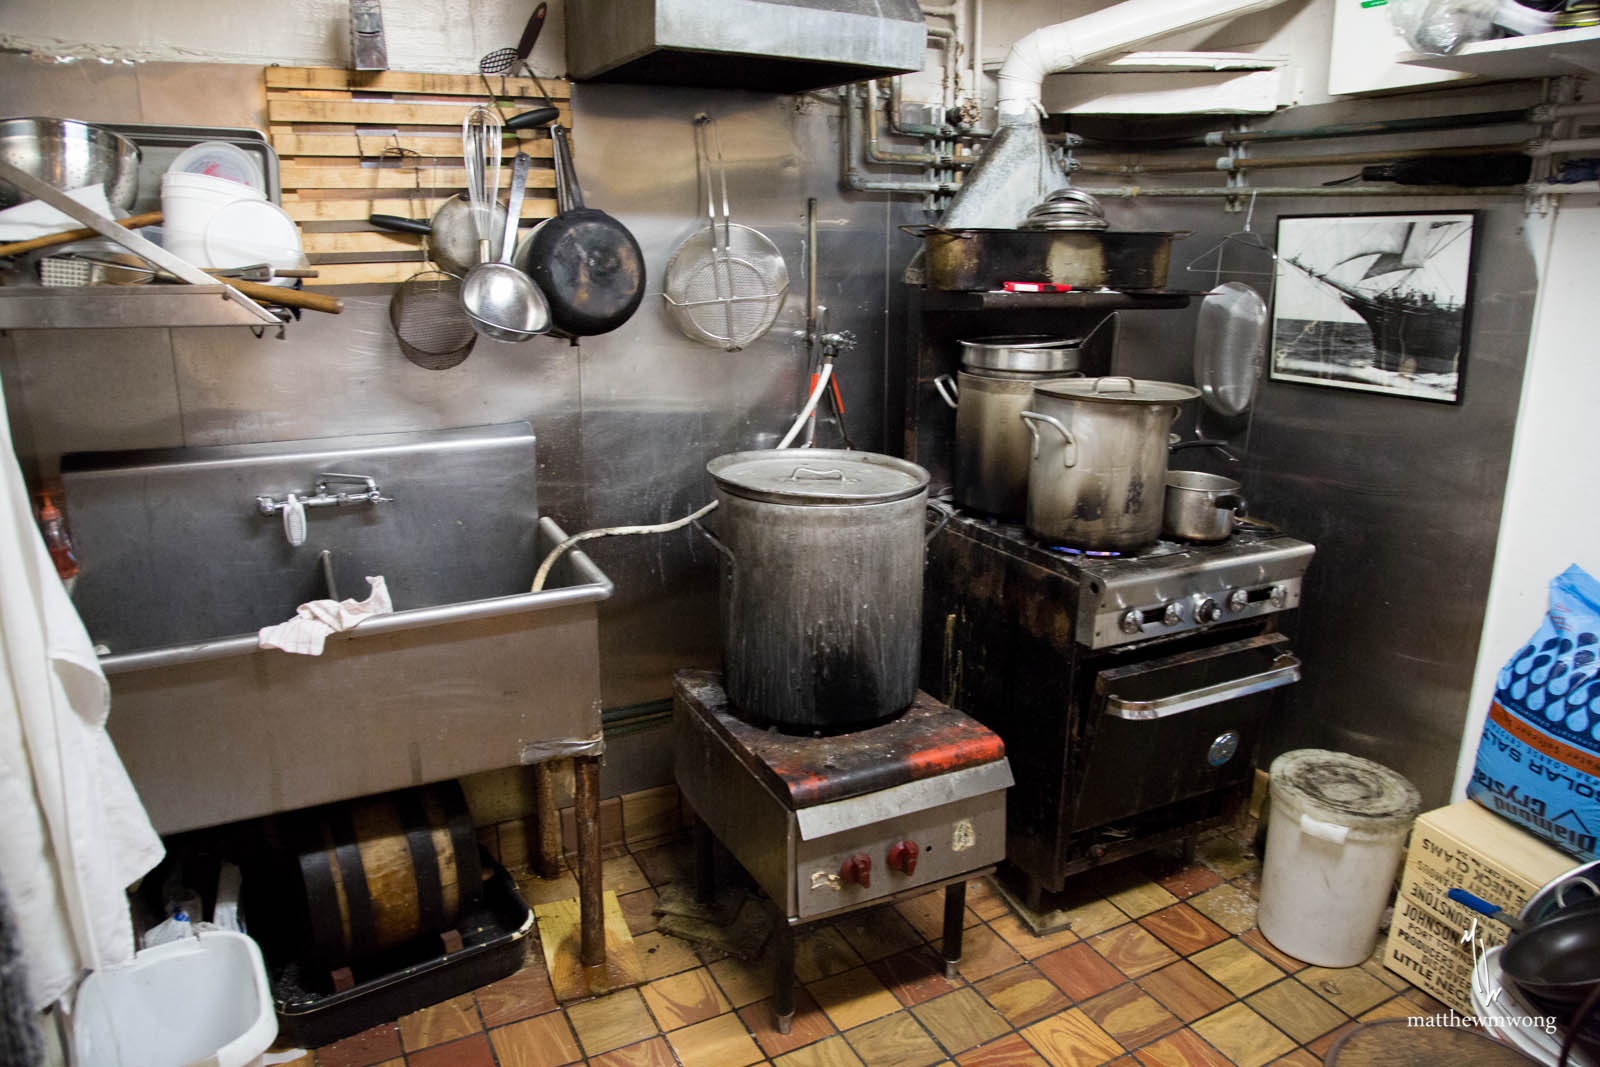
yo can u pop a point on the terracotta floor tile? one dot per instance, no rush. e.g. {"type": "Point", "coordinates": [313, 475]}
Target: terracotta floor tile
{"type": "Point", "coordinates": [914, 976]}
{"type": "Point", "coordinates": [684, 999]}
{"type": "Point", "coordinates": [983, 953]}
{"type": "Point", "coordinates": [926, 914]}
{"type": "Point", "coordinates": [1225, 855]}
{"type": "Point", "coordinates": [548, 890]}
{"type": "Point", "coordinates": [878, 933]}
{"type": "Point", "coordinates": [447, 1020]}
{"type": "Point", "coordinates": [1023, 995]}
{"type": "Point", "coordinates": [1296, 1010]}
{"type": "Point", "coordinates": [1258, 941]}
{"type": "Point", "coordinates": [638, 910]}
{"type": "Point", "coordinates": [822, 950]}
{"type": "Point", "coordinates": [960, 1020]}
{"type": "Point", "coordinates": [1141, 898]}
{"type": "Point", "coordinates": [1182, 1049]}
{"type": "Point", "coordinates": [1071, 1039]}
{"type": "Point", "coordinates": [1243, 1036]}
{"type": "Point", "coordinates": [1133, 950]}
{"type": "Point", "coordinates": [652, 1053]}
{"type": "Point", "coordinates": [1094, 916]}
{"type": "Point", "coordinates": [666, 863]}
{"type": "Point", "coordinates": [834, 1052]}
{"type": "Point", "coordinates": [1350, 989]}
{"type": "Point", "coordinates": [1405, 1006]}
{"type": "Point", "coordinates": [1249, 883]}
{"type": "Point", "coordinates": [521, 995]}
{"type": "Point", "coordinates": [611, 1021]}
{"type": "Point", "coordinates": [894, 1041]}
{"type": "Point", "coordinates": [543, 1041]}
{"type": "Point", "coordinates": [985, 901]}
{"type": "Point", "coordinates": [465, 1052]}
{"type": "Point", "coordinates": [1079, 971]}
{"type": "Point", "coordinates": [660, 955]}
{"type": "Point", "coordinates": [1226, 906]}
{"type": "Point", "coordinates": [1298, 1058]}
{"type": "Point", "coordinates": [743, 982]}
{"type": "Point", "coordinates": [1010, 1051]}
{"type": "Point", "coordinates": [1186, 882]}
{"type": "Point", "coordinates": [1185, 991]}
{"type": "Point", "coordinates": [622, 875]}
{"type": "Point", "coordinates": [1183, 929]}
{"type": "Point", "coordinates": [1322, 1044]}
{"type": "Point", "coordinates": [853, 998]}
{"type": "Point", "coordinates": [1240, 970]}
{"type": "Point", "coordinates": [810, 1024]}
{"type": "Point", "coordinates": [358, 1050]}
{"type": "Point", "coordinates": [1014, 932]}
{"type": "Point", "coordinates": [1374, 966]}
{"type": "Point", "coordinates": [1130, 1015]}
{"type": "Point", "coordinates": [719, 1042]}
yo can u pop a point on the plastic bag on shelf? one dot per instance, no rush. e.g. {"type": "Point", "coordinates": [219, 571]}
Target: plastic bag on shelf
{"type": "Point", "coordinates": [1441, 27]}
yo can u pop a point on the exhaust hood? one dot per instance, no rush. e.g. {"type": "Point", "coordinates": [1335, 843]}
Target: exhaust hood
{"type": "Point", "coordinates": [786, 46]}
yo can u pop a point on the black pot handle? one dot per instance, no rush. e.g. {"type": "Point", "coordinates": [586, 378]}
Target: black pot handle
{"type": "Point", "coordinates": [400, 223]}
{"type": "Point", "coordinates": [944, 512]}
{"type": "Point", "coordinates": [1230, 502]}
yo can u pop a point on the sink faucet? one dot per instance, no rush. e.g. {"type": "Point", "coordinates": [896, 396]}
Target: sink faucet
{"type": "Point", "coordinates": [293, 506]}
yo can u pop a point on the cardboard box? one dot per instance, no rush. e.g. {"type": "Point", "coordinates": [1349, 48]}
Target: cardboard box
{"type": "Point", "coordinates": [1427, 952]}
{"type": "Point", "coordinates": [1469, 847]}
{"type": "Point", "coordinates": [1419, 887]}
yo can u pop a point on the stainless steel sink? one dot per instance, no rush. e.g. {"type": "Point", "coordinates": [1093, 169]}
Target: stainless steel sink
{"type": "Point", "coordinates": [179, 569]}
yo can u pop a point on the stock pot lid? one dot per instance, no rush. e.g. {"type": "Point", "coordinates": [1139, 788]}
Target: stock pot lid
{"type": "Point", "coordinates": [817, 476]}
{"type": "Point", "coordinates": [1020, 352]}
{"type": "Point", "coordinates": [1345, 790]}
{"type": "Point", "coordinates": [1118, 390]}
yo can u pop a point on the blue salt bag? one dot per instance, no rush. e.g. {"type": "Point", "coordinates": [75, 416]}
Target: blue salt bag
{"type": "Point", "coordinates": [1539, 759]}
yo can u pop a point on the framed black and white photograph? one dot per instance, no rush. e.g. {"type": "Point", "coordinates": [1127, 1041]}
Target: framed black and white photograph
{"type": "Point", "coordinates": [1375, 302]}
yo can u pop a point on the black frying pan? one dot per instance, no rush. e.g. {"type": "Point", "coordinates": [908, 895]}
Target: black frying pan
{"type": "Point", "coordinates": [1557, 959]}
{"type": "Point", "coordinates": [588, 265]}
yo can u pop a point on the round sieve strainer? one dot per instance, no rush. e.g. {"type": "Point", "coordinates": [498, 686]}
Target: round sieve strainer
{"type": "Point", "coordinates": [724, 285]}
{"type": "Point", "coordinates": [426, 314]}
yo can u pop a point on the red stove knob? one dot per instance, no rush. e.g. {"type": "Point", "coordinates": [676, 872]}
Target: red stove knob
{"type": "Point", "coordinates": [856, 869]}
{"type": "Point", "coordinates": [903, 857]}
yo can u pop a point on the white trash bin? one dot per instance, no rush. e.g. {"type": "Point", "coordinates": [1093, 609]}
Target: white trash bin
{"type": "Point", "coordinates": [1335, 838]}
{"type": "Point", "coordinates": [200, 1002]}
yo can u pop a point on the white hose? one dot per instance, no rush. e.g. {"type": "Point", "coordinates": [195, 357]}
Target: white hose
{"type": "Point", "coordinates": [811, 404]}
{"type": "Point", "coordinates": [677, 524]}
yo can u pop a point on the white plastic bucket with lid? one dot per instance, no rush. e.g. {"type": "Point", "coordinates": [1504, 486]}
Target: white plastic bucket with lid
{"type": "Point", "coordinates": [200, 1002]}
{"type": "Point", "coordinates": [1335, 838]}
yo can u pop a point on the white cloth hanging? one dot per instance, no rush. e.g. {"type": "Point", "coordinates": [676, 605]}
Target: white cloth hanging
{"type": "Point", "coordinates": [74, 834]}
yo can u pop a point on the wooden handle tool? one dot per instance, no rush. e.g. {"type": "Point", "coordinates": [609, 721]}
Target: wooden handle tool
{"type": "Point", "coordinates": [294, 298]}
{"type": "Point", "coordinates": [132, 222]}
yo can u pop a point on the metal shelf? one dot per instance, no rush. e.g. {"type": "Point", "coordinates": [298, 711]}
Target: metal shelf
{"type": "Point", "coordinates": [1076, 300]}
{"type": "Point", "coordinates": [117, 306]}
{"type": "Point", "coordinates": [1540, 55]}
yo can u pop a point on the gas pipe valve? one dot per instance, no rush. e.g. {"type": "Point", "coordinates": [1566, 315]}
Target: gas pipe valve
{"type": "Point", "coordinates": [903, 857]}
{"type": "Point", "coordinates": [856, 870]}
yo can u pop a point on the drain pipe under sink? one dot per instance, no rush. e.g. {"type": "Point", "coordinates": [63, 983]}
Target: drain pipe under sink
{"type": "Point", "coordinates": [1018, 170]}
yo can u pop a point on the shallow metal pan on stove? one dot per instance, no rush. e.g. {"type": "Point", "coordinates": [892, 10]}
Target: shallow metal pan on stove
{"type": "Point", "coordinates": [985, 259]}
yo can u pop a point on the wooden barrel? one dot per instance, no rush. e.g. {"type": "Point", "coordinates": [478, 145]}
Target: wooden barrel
{"type": "Point", "coordinates": [387, 869]}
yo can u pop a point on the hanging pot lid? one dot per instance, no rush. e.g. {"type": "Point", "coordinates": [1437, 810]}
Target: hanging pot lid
{"type": "Point", "coordinates": [817, 476]}
{"type": "Point", "coordinates": [1118, 390]}
{"type": "Point", "coordinates": [1021, 352]}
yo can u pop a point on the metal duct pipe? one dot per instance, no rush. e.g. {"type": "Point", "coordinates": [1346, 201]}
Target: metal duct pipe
{"type": "Point", "coordinates": [1231, 163]}
{"type": "Point", "coordinates": [1357, 129]}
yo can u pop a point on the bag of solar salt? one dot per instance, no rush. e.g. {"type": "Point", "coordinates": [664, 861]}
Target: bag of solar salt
{"type": "Point", "coordinates": [1539, 758]}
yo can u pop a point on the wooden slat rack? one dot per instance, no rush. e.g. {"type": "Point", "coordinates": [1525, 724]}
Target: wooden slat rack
{"type": "Point", "coordinates": [353, 144]}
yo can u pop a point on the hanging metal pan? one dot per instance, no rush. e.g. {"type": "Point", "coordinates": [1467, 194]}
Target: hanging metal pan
{"type": "Point", "coordinates": [1230, 344]}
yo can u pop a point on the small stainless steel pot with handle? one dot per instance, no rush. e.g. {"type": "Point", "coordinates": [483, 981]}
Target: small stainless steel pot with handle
{"type": "Point", "coordinates": [1200, 506]}
{"type": "Point", "coordinates": [995, 384]}
{"type": "Point", "coordinates": [821, 595]}
{"type": "Point", "coordinates": [1097, 470]}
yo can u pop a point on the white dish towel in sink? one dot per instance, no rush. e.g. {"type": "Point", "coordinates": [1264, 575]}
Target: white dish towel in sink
{"type": "Point", "coordinates": [313, 622]}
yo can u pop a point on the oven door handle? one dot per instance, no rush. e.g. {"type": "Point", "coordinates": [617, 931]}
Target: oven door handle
{"type": "Point", "coordinates": [1285, 670]}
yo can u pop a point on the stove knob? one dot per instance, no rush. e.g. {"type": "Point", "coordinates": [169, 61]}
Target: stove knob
{"type": "Point", "coordinates": [1208, 610]}
{"type": "Point", "coordinates": [1131, 622]}
{"type": "Point", "coordinates": [1279, 596]}
{"type": "Point", "coordinates": [856, 870]}
{"type": "Point", "coordinates": [1237, 600]}
{"type": "Point", "coordinates": [903, 857]}
{"type": "Point", "coordinates": [1173, 615]}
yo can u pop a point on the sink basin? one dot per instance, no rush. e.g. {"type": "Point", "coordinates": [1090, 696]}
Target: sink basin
{"type": "Point", "coordinates": [472, 672]}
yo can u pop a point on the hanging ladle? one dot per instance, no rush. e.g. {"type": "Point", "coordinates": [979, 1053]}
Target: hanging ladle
{"type": "Point", "coordinates": [502, 302]}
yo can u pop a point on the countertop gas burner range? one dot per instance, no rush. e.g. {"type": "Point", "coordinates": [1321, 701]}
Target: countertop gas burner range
{"type": "Point", "coordinates": [1131, 690]}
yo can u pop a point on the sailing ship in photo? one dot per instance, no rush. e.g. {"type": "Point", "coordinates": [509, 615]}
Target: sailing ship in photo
{"type": "Point", "coordinates": [1373, 302]}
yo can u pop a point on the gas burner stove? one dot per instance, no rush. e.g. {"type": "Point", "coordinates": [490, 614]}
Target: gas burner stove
{"type": "Point", "coordinates": [1170, 587]}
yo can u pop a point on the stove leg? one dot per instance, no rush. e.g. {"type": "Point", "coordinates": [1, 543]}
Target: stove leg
{"type": "Point", "coordinates": [955, 908]}
{"type": "Point", "coordinates": [705, 865]}
{"type": "Point", "coordinates": [591, 901]}
{"type": "Point", "coordinates": [1188, 849]}
{"type": "Point", "coordinates": [783, 979]}
{"type": "Point", "coordinates": [1032, 894]}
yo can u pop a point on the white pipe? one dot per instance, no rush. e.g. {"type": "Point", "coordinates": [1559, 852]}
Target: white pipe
{"type": "Point", "coordinates": [1551, 148]}
{"type": "Point", "coordinates": [1099, 33]}
{"type": "Point", "coordinates": [811, 404]}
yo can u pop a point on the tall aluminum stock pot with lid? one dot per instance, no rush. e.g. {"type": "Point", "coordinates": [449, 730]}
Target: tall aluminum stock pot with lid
{"type": "Point", "coordinates": [1097, 470]}
{"type": "Point", "coordinates": [821, 590]}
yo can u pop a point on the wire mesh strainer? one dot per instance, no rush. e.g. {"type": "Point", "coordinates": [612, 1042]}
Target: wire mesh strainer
{"type": "Point", "coordinates": [724, 285]}
{"type": "Point", "coordinates": [426, 314]}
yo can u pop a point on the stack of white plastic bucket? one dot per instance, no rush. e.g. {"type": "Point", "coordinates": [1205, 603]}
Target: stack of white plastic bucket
{"type": "Point", "coordinates": [215, 212]}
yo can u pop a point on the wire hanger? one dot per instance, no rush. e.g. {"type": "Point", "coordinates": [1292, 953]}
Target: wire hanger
{"type": "Point", "coordinates": [1212, 259]}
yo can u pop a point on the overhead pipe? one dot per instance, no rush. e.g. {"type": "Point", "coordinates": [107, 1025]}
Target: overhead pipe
{"type": "Point", "coordinates": [1141, 192]}
{"type": "Point", "coordinates": [856, 178]}
{"type": "Point", "coordinates": [1242, 163]}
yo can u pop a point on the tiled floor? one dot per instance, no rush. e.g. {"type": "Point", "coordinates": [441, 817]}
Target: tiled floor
{"type": "Point", "coordinates": [1162, 967]}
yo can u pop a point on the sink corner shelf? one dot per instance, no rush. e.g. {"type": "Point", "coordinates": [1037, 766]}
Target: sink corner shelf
{"type": "Point", "coordinates": [111, 307]}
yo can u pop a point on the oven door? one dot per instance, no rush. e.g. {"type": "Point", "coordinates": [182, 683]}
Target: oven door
{"type": "Point", "coordinates": [1180, 726]}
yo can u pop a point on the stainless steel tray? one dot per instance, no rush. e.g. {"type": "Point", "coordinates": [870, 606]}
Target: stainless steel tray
{"type": "Point", "coordinates": [159, 145]}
